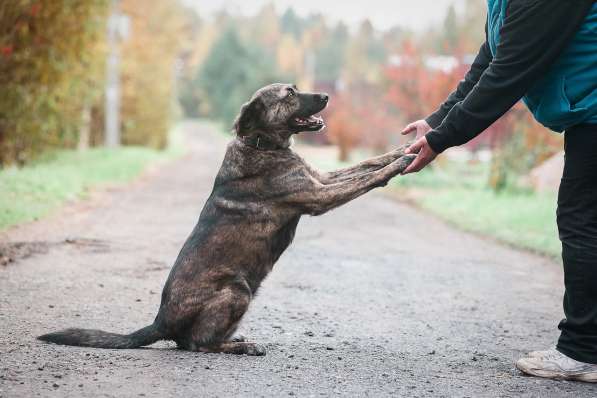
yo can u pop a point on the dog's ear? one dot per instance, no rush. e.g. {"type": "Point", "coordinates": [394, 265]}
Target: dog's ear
{"type": "Point", "coordinates": [248, 118]}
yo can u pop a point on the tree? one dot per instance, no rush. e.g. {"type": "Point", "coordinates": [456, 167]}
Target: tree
{"type": "Point", "coordinates": [290, 23]}
{"type": "Point", "coordinates": [394, 38]}
{"type": "Point", "coordinates": [231, 73]}
{"type": "Point", "coordinates": [413, 89]}
{"type": "Point", "coordinates": [148, 73]}
{"type": "Point", "coordinates": [331, 56]}
{"type": "Point", "coordinates": [266, 28]}
{"type": "Point", "coordinates": [365, 55]}
{"type": "Point", "coordinates": [471, 30]}
{"type": "Point", "coordinates": [343, 126]}
{"type": "Point", "coordinates": [450, 32]}
{"type": "Point", "coordinates": [50, 63]}
{"type": "Point", "coordinates": [290, 56]}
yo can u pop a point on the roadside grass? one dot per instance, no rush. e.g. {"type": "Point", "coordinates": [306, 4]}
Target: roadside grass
{"type": "Point", "coordinates": [458, 193]}
{"type": "Point", "coordinates": [59, 176]}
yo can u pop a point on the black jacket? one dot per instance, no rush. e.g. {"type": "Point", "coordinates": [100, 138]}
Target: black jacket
{"type": "Point", "coordinates": [531, 38]}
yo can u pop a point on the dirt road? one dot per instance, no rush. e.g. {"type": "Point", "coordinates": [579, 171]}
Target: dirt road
{"type": "Point", "coordinates": [373, 299]}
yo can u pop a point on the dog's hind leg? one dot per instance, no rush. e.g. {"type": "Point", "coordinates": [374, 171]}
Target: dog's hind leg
{"type": "Point", "coordinates": [240, 348]}
{"type": "Point", "coordinates": [218, 321]}
{"type": "Point", "coordinates": [238, 339]}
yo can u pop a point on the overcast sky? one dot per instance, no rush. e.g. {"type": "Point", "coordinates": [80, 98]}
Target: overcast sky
{"type": "Point", "coordinates": [414, 14]}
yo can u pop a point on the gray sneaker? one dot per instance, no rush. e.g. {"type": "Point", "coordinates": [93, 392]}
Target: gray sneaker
{"type": "Point", "coordinates": [540, 354]}
{"type": "Point", "coordinates": [552, 364]}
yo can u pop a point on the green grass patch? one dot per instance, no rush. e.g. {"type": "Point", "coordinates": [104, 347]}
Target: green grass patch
{"type": "Point", "coordinates": [525, 221]}
{"type": "Point", "coordinates": [458, 193]}
{"type": "Point", "coordinates": [34, 191]}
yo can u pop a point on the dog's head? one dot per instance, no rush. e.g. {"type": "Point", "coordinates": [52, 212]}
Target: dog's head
{"type": "Point", "coordinates": [279, 110]}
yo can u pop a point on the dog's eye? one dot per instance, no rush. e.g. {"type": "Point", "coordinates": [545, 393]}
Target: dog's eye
{"type": "Point", "coordinates": [290, 93]}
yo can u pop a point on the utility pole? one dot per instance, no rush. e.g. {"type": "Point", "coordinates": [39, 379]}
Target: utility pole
{"type": "Point", "coordinates": [118, 30]}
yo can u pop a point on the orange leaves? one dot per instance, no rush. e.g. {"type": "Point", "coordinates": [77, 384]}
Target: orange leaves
{"type": "Point", "coordinates": [344, 125]}
{"type": "Point", "coordinates": [6, 50]}
{"type": "Point", "coordinates": [360, 116]}
{"type": "Point", "coordinates": [34, 9]}
{"type": "Point", "coordinates": [418, 83]}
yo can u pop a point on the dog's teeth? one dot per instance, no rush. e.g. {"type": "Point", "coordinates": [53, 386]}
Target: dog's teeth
{"type": "Point", "coordinates": [313, 119]}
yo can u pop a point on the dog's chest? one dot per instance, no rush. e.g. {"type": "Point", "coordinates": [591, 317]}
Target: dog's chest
{"type": "Point", "coordinates": [283, 237]}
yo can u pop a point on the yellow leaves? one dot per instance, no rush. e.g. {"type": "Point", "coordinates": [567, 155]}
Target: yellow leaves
{"type": "Point", "coordinates": [148, 59]}
{"type": "Point", "coordinates": [203, 41]}
{"type": "Point", "coordinates": [46, 49]}
{"type": "Point", "coordinates": [290, 55]}
{"type": "Point", "coordinates": [52, 64]}
{"type": "Point", "coordinates": [23, 30]}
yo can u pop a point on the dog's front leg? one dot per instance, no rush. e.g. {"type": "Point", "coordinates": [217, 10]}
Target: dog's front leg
{"type": "Point", "coordinates": [320, 198]}
{"type": "Point", "coordinates": [363, 167]}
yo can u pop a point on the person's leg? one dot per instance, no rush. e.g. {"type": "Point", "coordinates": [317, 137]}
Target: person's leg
{"type": "Point", "coordinates": [577, 224]}
{"type": "Point", "coordinates": [576, 352]}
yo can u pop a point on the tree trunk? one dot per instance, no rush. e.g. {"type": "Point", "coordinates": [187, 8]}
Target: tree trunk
{"type": "Point", "coordinates": [85, 131]}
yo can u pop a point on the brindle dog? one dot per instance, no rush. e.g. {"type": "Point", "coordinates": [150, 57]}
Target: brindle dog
{"type": "Point", "coordinates": [260, 193]}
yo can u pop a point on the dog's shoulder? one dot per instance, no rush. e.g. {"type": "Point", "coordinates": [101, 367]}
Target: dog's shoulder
{"type": "Point", "coordinates": [296, 158]}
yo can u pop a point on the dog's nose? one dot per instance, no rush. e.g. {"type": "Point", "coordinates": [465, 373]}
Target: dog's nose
{"type": "Point", "coordinates": [324, 97]}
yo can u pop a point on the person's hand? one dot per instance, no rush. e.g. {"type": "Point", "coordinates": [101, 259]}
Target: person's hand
{"type": "Point", "coordinates": [421, 127]}
{"type": "Point", "coordinates": [421, 147]}
{"type": "Point", "coordinates": [425, 155]}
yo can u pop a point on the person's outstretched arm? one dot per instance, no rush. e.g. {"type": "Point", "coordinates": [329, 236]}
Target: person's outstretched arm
{"type": "Point", "coordinates": [482, 60]}
{"type": "Point", "coordinates": [471, 78]}
{"type": "Point", "coordinates": [533, 35]}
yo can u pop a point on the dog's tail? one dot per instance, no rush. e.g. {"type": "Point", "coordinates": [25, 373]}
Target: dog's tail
{"type": "Point", "coordinates": [100, 339]}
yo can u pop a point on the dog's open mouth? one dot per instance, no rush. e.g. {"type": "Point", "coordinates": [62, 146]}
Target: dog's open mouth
{"type": "Point", "coordinates": [308, 123]}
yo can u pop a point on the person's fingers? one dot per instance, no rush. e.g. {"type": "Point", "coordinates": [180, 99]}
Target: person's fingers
{"type": "Point", "coordinates": [418, 164]}
{"type": "Point", "coordinates": [415, 147]}
{"type": "Point", "coordinates": [425, 156]}
{"type": "Point", "coordinates": [409, 128]}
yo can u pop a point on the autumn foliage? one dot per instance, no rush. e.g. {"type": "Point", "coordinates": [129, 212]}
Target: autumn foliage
{"type": "Point", "coordinates": [49, 69]}
{"type": "Point", "coordinates": [158, 34]}
{"type": "Point", "coordinates": [343, 126]}
{"type": "Point", "coordinates": [52, 73]}
{"type": "Point", "coordinates": [416, 90]}
{"type": "Point", "coordinates": [53, 57]}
